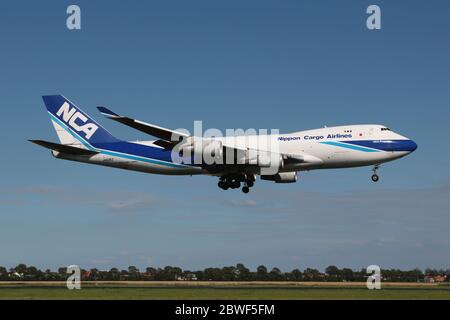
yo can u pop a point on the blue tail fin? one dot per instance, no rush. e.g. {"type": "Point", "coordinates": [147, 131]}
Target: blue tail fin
{"type": "Point", "coordinates": [72, 125]}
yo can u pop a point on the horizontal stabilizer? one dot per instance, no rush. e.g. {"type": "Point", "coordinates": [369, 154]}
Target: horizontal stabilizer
{"type": "Point", "coordinates": [151, 129]}
{"type": "Point", "coordinates": [63, 148]}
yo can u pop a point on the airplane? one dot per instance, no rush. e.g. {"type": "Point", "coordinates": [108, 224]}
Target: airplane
{"type": "Point", "coordinates": [82, 139]}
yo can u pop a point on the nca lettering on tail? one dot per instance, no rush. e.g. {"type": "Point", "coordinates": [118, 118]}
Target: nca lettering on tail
{"type": "Point", "coordinates": [70, 116]}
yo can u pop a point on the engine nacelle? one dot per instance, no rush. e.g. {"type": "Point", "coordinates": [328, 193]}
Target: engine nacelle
{"type": "Point", "coordinates": [264, 159]}
{"type": "Point", "coordinates": [209, 151]}
{"type": "Point", "coordinates": [282, 177]}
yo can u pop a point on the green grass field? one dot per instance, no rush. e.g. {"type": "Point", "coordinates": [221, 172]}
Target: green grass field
{"type": "Point", "coordinates": [215, 290]}
{"type": "Point", "coordinates": [204, 293]}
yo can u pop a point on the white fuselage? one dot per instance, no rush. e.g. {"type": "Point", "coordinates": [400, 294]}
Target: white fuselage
{"type": "Point", "coordinates": [324, 148]}
{"type": "Point", "coordinates": [235, 160]}
{"type": "Point", "coordinates": [328, 148]}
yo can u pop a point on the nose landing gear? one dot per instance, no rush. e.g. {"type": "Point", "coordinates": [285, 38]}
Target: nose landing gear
{"type": "Point", "coordinates": [375, 176]}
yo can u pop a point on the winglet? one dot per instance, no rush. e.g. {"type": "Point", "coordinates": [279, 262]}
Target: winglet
{"type": "Point", "coordinates": [107, 113]}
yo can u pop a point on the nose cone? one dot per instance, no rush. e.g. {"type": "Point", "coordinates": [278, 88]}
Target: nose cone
{"type": "Point", "coordinates": [407, 145]}
{"type": "Point", "coordinates": [413, 145]}
{"type": "Point", "coordinates": [403, 145]}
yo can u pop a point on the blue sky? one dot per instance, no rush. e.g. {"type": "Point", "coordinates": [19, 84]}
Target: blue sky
{"type": "Point", "coordinates": [289, 65]}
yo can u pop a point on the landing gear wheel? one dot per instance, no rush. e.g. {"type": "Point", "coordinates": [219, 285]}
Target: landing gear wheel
{"type": "Point", "coordinates": [250, 183]}
{"type": "Point", "coordinates": [245, 189]}
{"type": "Point", "coordinates": [223, 185]}
{"type": "Point", "coordinates": [375, 176]}
{"type": "Point", "coordinates": [235, 184]}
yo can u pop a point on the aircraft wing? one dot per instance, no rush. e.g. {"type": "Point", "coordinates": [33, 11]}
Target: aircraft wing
{"type": "Point", "coordinates": [169, 138]}
{"type": "Point", "coordinates": [151, 129]}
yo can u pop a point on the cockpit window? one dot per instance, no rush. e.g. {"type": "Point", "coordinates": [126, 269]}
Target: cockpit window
{"type": "Point", "coordinates": [385, 129]}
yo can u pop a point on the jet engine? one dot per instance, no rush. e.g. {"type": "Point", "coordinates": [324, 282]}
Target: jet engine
{"type": "Point", "coordinates": [282, 177]}
{"type": "Point", "coordinates": [209, 151]}
{"type": "Point", "coordinates": [265, 159]}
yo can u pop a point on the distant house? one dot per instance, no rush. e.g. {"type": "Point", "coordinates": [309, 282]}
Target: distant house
{"type": "Point", "coordinates": [187, 277]}
{"type": "Point", "coordinates": [435, 279]}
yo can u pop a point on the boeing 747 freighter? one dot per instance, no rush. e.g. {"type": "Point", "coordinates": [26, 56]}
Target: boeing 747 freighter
{"type": "Point", "coordinates": [235, 160]}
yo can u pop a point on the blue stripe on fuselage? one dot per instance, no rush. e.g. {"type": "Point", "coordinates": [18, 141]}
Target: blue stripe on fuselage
{"type": "Point", "coordinates": [127, 150]}
{"type": "Point", "coordinates": [386, 145]}
{"type": "Point", "coordinates": [136, 150]}
{"type": "Point", "coordinates": [348, 146]}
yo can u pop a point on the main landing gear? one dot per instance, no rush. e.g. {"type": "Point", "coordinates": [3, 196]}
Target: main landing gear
{"type": "Point", "coordinates": [234, 182]}
{"type": "Point", "coordinates": [375, 176]}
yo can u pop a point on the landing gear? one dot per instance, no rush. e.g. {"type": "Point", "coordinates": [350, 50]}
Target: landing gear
{"type": "Point", "coordinates": [236, 184]}
{"type": "Point", "coordinates": [375, 176]}
{"type": "Point", "coordinates": [223, 185]}
{"type": "Point", "coordinates": [234, 181]}
{"type": "Point", "coordinates": [226, 183]}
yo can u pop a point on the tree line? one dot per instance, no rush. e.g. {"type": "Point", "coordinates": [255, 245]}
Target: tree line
{"type": "Point", "coordinates": [239, 272]}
